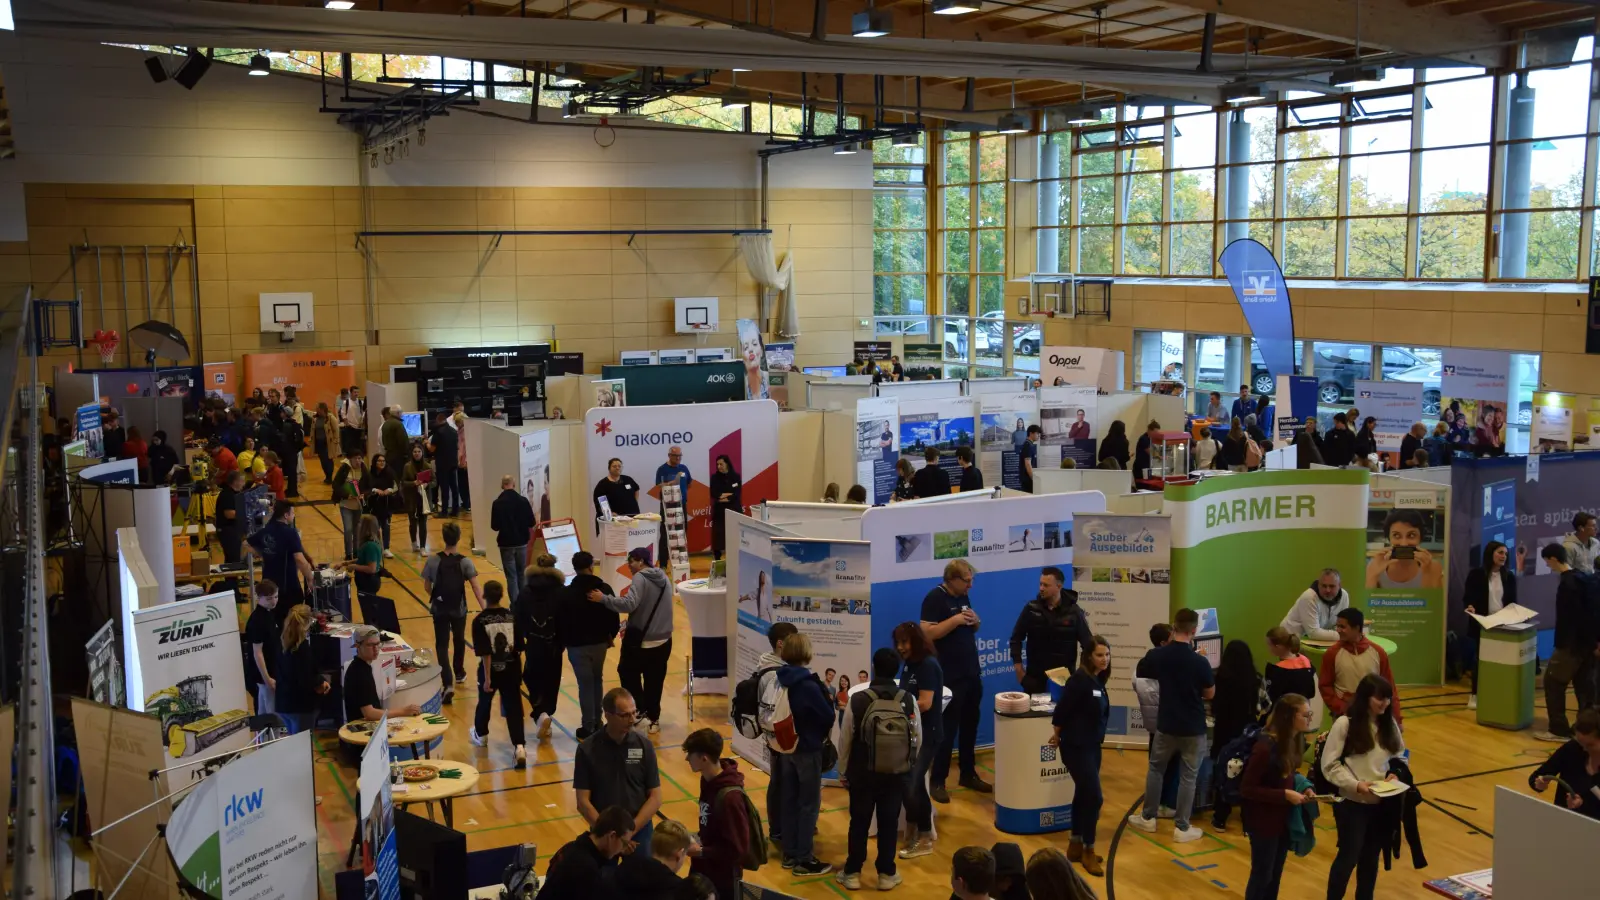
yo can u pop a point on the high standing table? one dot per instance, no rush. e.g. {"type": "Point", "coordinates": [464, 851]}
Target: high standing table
{"type": "Point", "coordinates": [1505, 675]}
{"type": "Point", "coordinates": [708, 628]}
{"type": "Point", "coordinates": [1032, 790]}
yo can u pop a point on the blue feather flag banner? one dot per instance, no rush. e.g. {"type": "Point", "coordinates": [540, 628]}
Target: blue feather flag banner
{"type": "Point", "coordinates": [1258, 284]}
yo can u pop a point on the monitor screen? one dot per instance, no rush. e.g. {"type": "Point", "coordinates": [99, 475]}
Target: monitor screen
{"type": "Point", "coordinates": [413, 423]}
{"type": "Point", "coordinates": [1211, 648]}
{"type": "Point", "coordinates": [831, 371]}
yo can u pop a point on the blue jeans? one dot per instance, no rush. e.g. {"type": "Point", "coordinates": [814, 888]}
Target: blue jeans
{"type": "Point", "coordinates": [513, 560]}
{"type": "Point", "coordinates": [1189, 749]}
{"type": "Point", "coordinates": [1267, 855]}
{"type": "Point", "coordinates": [588, 667]}
{"type": "Point", "coordinates": [802, 802]}
{"type": "Point", "coordinates": [642, 838]}
{"type": "Point", "coordinates": [351, 519]}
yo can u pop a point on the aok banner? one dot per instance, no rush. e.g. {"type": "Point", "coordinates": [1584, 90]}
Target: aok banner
{"type": "Point", "coordinates": [745, 431]}
{"type": "Point", "coordinates": [1290, 524]}
{"type": "Point", "coordinates": [711, 382]}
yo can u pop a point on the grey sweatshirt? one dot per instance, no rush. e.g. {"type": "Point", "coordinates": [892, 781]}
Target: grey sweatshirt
{"type": "Point", "coordinates": [650, 597]}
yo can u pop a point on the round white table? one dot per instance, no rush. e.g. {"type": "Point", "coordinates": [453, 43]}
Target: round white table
{"type": "Point", "coordinates": [708, 629]}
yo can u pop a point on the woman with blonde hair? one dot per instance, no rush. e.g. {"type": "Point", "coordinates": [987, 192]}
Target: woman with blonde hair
{"type": "Point", "coordinates": [367, 562]}
{"type": "Point", "coordinates": [460, 421]}
{"type": "Point", "coordinates": [299, 682]}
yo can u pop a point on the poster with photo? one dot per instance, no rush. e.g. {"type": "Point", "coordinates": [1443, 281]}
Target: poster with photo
{"type": "Point", "coordinates": [1122, 573]}
{"type": "Point", "coordinates": [1397, 405]}
{"type": "Point", "coordinates": [88, 428]}
{"type": "Point", "coordinates": [824, 589]}
{"type": "Point", "coordinates": [1407, 533]}
{"type": "Point", "coordinates": [877, 445]}
{"type": "Point", "coordinates": [1552, 429]}
{"type": "Point", "coordinates": [1006, 418]}
{"type": "Point", "coordinates": [186, 671]}
{"type": "Point", "coordinates": [754, 358]}
{"type": "Point", "coordinates": [380, 861]}
{"type": "Point", "coordinates": [534, 472]}
{"type": "Point", "coordinates": [610, 393]}
{"type": "Point", "coordinates": [945, 424]}
{"type": "Point", "coordinates": [1475, 398]}
{"type": "Point", "coordinates": [749, 567]}
{"type": "Point", "coordinates": [1067, 416]}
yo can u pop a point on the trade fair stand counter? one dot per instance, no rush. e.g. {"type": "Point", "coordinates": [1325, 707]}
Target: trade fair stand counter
{"type": "Point", "coordinates": [1032, 790]}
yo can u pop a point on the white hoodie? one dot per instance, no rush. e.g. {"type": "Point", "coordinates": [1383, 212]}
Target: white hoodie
{"type": "Point", "coordinates": [1312, 618]}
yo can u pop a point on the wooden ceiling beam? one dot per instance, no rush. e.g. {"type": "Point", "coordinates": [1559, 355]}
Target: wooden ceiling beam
{"type": "Point", "coordinates": [1385, 26]}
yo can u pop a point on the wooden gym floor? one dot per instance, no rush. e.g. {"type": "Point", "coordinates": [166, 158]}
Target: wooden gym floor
{"type": "Point", "coordinates": [1457, 764]}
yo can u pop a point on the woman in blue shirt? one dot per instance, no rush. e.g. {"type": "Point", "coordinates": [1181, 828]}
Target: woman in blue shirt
{"type": "Point", "coordinates": [1080, 726]}
{"type": "Point", "coordinates": [924, 679]}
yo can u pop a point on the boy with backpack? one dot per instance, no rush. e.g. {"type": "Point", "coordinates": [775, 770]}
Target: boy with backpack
{"type": "Point", "coordinates": [730, 828]}
{"type": "Point", "coordinates": [445, 577]}
{"type": "Point", "coordinates": [877, 747]}
{"type": "Point", "coordinates": [753, 702]}
{"type": "Point", "coordinates": [498, 643]}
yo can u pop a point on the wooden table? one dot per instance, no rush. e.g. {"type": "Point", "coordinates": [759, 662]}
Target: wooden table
{"type": "Point", "coordinates": [442, 791]}
{"type": "Point", "coordinates": [415, 731]}
{"type": "Point", "coordinates": [214, 575]}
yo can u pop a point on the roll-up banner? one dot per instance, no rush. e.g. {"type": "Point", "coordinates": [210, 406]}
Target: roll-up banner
{"type": "Point", "coordinates": [824, 589]}
{"type": "Point", "coordinates": [945, 424]}
{"type": "Point", "coordinates": [106, 684]}
{"type": "Point", "coordinates": [877, 445]}
{"type": "Point", "coordinates": [250, 830]}
{"type": "Point", "coordinates": [652, 385]}
{"type": "Point", "coordinates": [1122, 571]}
{"type": "Point", "coordinates": [1258, 285]}
{"type": "Point", "coordinates": [1397, 405]}
{"type": "Point", "coordinates": [754, 358]}
{"type": "Point", "coordinates": [117, 751]}
{"type": "Point", "coordinates": [1006, 418]}
{"type": "Point", "coordinates": [380, 861]}
{"type": "Point", "coordinates": [1407, 535]}
{"type": "Point", "coordinates": [1295, 402]}
{"type": "Point", "coordinates": [188, 673]}
{"type": "Point", "coordinates": [1068, 416]}
{"type": "Point", "coordinates": [746, 431]}
{"type": "Point", "coordinates": [1007, 540]}
{"type": "Point", "coordinates": [317, 375]}
{"type": "Point", "coordinates": [219, 381]}
{"type": "Point", "coordinates": [1291, 524]}
{"type": "Point", "coordinates": [1552, 428]}
{"type": "Point", "coordinates": [534, 471]}
{"type": "Point", "coordinates": [1474, 385]}
{"type": "Point", "coordinates": [750, 581]}
{"type": "Point", "coordinates": [91, 430]}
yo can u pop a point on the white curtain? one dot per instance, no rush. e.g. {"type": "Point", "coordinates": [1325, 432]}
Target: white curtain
{"type": "Point", "coordinates": [762, 261]}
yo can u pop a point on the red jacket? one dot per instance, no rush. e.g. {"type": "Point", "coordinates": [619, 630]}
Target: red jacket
{"type": "Point", "coordinates": [724, 830]}
{"type": "Point", "coordinates": [275, 481]}
{"type": "Point", "coordinates": [1337, 702]}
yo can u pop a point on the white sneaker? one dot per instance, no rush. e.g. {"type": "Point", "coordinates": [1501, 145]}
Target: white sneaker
{"type": "Point", "coordinates": [388, 554]}
{"type": "Point", "coordinates": [1548, 737]}
{"type": "Point", "coordinates": [655, 727]}
{"type": "Point", "coordinates": [850, 881]}
{"type": "Point", "coordinates": [1472, 701]}
{"type": "Point", "coordinates": [888, 882]}
{"type": "Point", "coordinates": [544, 728]}
{"type": "Point", "coordinates": [1166, 812]}
{"type": "Point", "coordinates": [1186, 835]}
{"type": "Point", "coordinates": [1138, 821]}
{"type": "Point", "coordinates": [522, 757]}
{"type": "Point", "coordinates": [474, 737]}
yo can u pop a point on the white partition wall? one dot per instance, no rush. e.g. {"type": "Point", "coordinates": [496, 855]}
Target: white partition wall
{"type": "Point", "coordinates": [403, 395]}
{"type": "Point", "coordinates": [1110, 482]}
{"type": "Point", "coordinates": [835, 521]}
{"type": "Point", "coordinates": [920, 390]}
{"type": "Point", "coordinates": [1538, 847]}
{"type": "Point", "coordinates": [494, 449]}
{"type": "Point", "coordinates": [836, 394]}
{"type": "Point", "coordinates": [148, 512]}
{"type": "Point", "coordinates": [1011, 384]}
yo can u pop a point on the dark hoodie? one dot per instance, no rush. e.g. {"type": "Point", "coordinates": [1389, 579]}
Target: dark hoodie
{"type": "Point", "coordinates": [511, 519]}
{"type": "Point", "coordinates": [1008, 863]}
{"type": "Point", "coordinates": [583, 623]}
{"type": "Point", "coordinates": [724, 830]}
{"type": "Point", "coordinates": [642, 878]}
{"type": "Point", "coordinates": [539, 606]}
{"type": "Point", "coordinates": [1052, 635]}
{"type": "Point", "coordinates": [808, 699]}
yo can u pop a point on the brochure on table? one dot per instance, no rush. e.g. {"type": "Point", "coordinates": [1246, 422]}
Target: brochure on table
{"type": "Point", "coordinates": [1122, 571]}
{"type": "Point", "coordinates": [250, 829]}
{"type": "Point", "coordinates": [1007, 539]}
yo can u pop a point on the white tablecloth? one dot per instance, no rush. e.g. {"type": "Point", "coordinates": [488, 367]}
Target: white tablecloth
{"type": "Point", "coordinates": [708, 626]}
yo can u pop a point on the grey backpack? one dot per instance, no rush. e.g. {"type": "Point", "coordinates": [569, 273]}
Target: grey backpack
{"type": "Point", "coordinates": [886, 734]}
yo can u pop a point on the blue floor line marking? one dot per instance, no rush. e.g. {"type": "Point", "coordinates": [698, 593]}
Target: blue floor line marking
{"type": "Point", "coordinates": [1184, 865]}
{"type": "Point", "coordinates": [1219, 884]}
{"type": "Point", "coordinates": [1206, 866]}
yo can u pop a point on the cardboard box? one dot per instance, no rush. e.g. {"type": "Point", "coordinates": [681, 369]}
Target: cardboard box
{"type": "Point", "coordinates": [200, 563]}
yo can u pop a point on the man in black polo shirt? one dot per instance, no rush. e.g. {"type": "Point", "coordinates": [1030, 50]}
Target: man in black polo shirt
{"type": "Point", "coordinates": [952, 624]}
{"type": "Point", "coordinates": [575, 868]}
{"type": "Point", "coordinates": [931, 480]}
{"type": "Point", "coordinates": [1186, 685]}
{"type": "Point", "coordinates": [361, 701]}
{"type": "Point", "coordinates": [616, 766]}
{"type": "Point", "coordinates": [971, 476]}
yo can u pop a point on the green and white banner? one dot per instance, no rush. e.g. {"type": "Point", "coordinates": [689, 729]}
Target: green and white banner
{"type": "Point", "coordinates": [1250, 544]}
{"type": "Point", "coordinates": [1403, 580]}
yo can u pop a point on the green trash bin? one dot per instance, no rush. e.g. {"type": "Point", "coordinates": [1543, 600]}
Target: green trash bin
{"type": "Point", "coordinates": [1505, 676]}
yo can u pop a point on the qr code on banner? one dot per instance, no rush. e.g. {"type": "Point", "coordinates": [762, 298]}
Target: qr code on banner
{"type": "Point", "coordinates": [1047, 753]}
{"type": "Point", "coordinates": [1047, 819]}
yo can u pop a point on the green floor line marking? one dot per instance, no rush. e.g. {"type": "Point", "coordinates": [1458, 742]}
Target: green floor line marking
{"type": "Point", "coordinates": [675, 784]}
{"type": "Point", "coordinates": [1140, 834]}
{"type": "Point", "coordinates": [339, 780]}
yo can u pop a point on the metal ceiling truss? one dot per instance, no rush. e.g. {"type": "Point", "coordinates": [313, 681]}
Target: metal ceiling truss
{"type": "Point", "coordinates": [628, 94]}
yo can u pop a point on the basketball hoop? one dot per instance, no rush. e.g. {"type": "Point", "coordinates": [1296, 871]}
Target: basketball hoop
{"type": "Point", "coordinates": [106, 342]}
{"type": "Point", "coordinates": [286, 336]}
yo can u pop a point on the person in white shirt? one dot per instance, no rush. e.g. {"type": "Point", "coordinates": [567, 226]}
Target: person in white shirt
{"type": "Point", "coordinates": [1205, 450]}
{"type": "Point", "coordinates": [1317, 610]}
{"type": "Point", "coordinates": [352, 417]}
{"type": "Point", "coordinates": [1356, 756]}
{"type": "Point", "coordinates": [1582, 546]}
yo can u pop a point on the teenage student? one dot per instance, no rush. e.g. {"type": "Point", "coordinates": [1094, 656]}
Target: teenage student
{"type": "Point", "coordinates": [498, 645]}
{"type": "Point", "coordinates": [1239, 701]}
{"type": "Point", "coordinates": [1575, 767]}
{"type": "Point", "coordinates": [538, 613]}
{"type": "Point", "coordinates": [875, 793]}
{"type": "Point", "coordinates": [1290, 671]}
{"type": "Point", "coordinates": [1079, 729]}
{"type": "Point", "coordinates": [1267, 794]}
{"type": "Point", "coordinates": [1360, 746]}
{"type": "Point", "coordinates": [1186, 683]}
{"type": "Point", "coordinates": [724, 816]}
{"type": "Point", "coordinates": [446, 577]}
{"type": "Point", "coordinates": [802, 771]}
{"type": "Point", "coordinates": [924, 678]}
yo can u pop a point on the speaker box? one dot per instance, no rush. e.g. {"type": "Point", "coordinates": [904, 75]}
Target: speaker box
{"type": "Point", "coordinates": [193, 69]}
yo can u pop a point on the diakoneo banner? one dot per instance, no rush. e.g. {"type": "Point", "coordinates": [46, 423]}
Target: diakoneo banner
{"type": "Point", "coordinates": [1006, 418]}
{"type": "Point", "coordinates": [1006, 539]}
{"type": "Point", "coordinates": [250, 830]}
{"type": "Point", "coordinates": [1474, 385]}
{"type": "Point", "coordinates": [653, 385]}
{"type": "Point", "coordinates": [187, 671]}
{"type": "Point", "coordinates": [1093, 366]}
{"type": "Point", "coordinates": [746, 431]}
{"type": "Point", "coordinates": [877, 445]}
{"type": "Point", "coordinates": [1290, 524]}
{"type": "Point", "coordinates": [945, 423]}
{"type": "Point", "coordinates": [1122, 571]}
{"type": "Point", "coordinates": [534, 471]}
{"type": "Point", "coordinates": [1404, 591]}
{"type": "Point", "coordinates": [824, 588]}
{"type": "Point", "coordinates": [1067, 417]}
{"type": "Point", "coordinates": [316, 375]}
{"type": "Point", "coordinates": [1397, 405]}
{"type": "Point", "coordinates": [380, 861]}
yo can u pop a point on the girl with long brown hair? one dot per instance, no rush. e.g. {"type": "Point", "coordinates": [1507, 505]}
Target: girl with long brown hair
{"type": "Point", "coordinates": [1267, 793]}
{"type": "Point", "coordinates": [299, 682]}
{"type": "Point", "coordinates": [1360, 746]}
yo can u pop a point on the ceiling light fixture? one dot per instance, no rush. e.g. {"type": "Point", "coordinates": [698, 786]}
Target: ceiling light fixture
{"type": "Point", "coordinates": [871, 22]}
{"type": "Point", "coordinates": [572, 109]}
{"type": "Point", "coordinates": [1354, 74]}
{"type": "Point", "coordinates": [1243, 93]}
{"type": "Point", "coordinates": [845, 149]}
{"type": "Point", "coordinates": [156, 68]}
{"type": "Point", "coordinates": [1012, 123]}
{"type": "Point", "coordinates": [736, 98]}
{"type": "Point", "coordinates": [1081, 115]}
{"type": "Point", "coordinates": [907, 139]}
{"type": "Point", "coordinates": [260, 65]}
{"type": "Point", "coordinates": [956, 7]}
{"type": "Point", "coordinates": [339, 4]}
{"type": "Point", "coordinates": [566, 75]}
{"type": "Point", "coordinates": [737, 69]}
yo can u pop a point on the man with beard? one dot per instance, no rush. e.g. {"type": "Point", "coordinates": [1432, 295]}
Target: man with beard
{"type": "Point", "coordinates": [1053, 626]}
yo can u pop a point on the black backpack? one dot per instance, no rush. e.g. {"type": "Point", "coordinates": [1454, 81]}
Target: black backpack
{"type": "Point", "coordinates": [747, 703]}
{"type": "Point", "coordinates": [1319, 781]}
{"type": "Point", "coordinates": [449, 597]}
{"type": "Point", "coordinates": [1231, 759]}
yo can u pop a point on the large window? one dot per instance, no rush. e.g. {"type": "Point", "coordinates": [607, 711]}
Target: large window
{"type": "Point", "coordinates": [900, 237]}
{"type": "Point", "coordinates": [971, 238]}
{"type": "Point", "coordinates": [1427, 174]}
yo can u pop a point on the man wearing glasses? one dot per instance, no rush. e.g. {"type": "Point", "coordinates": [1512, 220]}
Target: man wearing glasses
{"type": "Point", "coordinates": [361, 701]}
{"type": "Point", "coordinates": [616, 766]}
{"type": "Point", "coordinates": [949, 620]}
{"type": "Point", "coordinates": [673, 470]}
